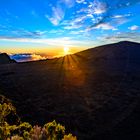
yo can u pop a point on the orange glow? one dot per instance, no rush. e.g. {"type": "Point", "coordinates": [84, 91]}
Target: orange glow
{"type": "Point", "coordinates": [45, 51]}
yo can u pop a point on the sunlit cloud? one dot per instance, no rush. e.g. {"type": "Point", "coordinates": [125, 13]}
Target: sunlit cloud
{"type": "Point", "coordinates": [27, 57]}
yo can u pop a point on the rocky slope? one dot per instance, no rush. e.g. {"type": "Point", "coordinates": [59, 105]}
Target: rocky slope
{"type": "Point", "coordinates": [5, 59]}
{"type": "Point", "coordinates": [94, 93]}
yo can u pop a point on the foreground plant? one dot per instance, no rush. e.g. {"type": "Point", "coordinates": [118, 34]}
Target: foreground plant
{"type": "Point", "coordinates": [25, 131]}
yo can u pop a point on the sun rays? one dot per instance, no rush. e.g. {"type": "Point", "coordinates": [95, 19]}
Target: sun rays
{"type": "Point", "coordinates": [70, 71]}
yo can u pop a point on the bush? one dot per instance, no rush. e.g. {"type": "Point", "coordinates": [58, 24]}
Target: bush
{"type": "Point", "coordinates": [25, 131]}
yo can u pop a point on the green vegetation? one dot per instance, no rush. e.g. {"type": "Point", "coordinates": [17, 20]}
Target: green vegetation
{"type": "Point", "coordinates": [11, 128]}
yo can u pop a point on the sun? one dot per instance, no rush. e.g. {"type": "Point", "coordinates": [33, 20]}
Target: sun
{"type": "Point", "coordinates": [66, 50]}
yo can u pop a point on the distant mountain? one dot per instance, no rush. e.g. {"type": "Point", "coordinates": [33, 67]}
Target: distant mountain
{"type": "Point", "coordinates": [94, 93]}
{"type": "Point", "coordinates": [116, 57]}
{"type": "Point", "coordinates": [120, 49]}
{"type": "Point", "coordinates": [5, 59]}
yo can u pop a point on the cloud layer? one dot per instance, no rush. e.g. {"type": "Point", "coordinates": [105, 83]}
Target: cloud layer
{"type": "Point", "coordinates": [27, 57]}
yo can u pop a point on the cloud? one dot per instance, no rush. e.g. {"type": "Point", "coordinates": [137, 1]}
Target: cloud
{"type": "Point", "coordinates": [58, 11]}
{"type": "Point", "coordinates": [98, 7]}
{"type": "Point", "coordinates": [106, 12]}
{"type": "Point", "coordinates": [108, 22]}
{"type": "Point", "coordinates": [77, 20]}
{"type": "Point", "coordinates": [22, 33]}
{"type": "Point", "coordinates": [70, 27]}
{"type": "Point", "coordinates": [27, 57]}
{"type": "Point", "coordinates": [126, 3]}
{"type": "Point", "coordinates": [57, 15]}
{"type": "Point", "coordinates": [120, 36]}
{"type": "Point", "coordinates": [119, 21]}
{"type": "Point", "coordinates": [61, 41]}
{"type": "Point", "coordinates": [55, 31]}
{"type": "Point", "coordinates": [133, 28]}
{"type": "Point", "coordinates": [121, 16]}
{"type": "Point", "coordinates": [95, 13]}
{"type": "Point", "coordinates": [69, 3]}
{"type": "Point", "coordinates": [78, 32]}
{"type": "Point", "coordinates": [94, 8]}
{"type": "Point", "coordinates": [104, 26]}
{"type": "Point", "coordinates": [81, 1]}
{"type": "Point", "coordinates": [74, 23]}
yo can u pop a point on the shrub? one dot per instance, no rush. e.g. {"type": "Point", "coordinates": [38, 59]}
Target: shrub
{"type": "Point", "coordinates": [25, 131]}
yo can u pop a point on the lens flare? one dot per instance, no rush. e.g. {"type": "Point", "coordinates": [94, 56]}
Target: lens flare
{"type": "Point", "coordinates": [66, 50]}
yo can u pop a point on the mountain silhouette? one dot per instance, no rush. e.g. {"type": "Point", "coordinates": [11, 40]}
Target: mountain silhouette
{"type": "Point", "coordinates": [5, 59]}
{"type": "Point", "coordinates": [94, 93]}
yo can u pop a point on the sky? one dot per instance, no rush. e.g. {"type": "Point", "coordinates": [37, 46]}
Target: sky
{"type": "Point", "coordinates": [38, 29]}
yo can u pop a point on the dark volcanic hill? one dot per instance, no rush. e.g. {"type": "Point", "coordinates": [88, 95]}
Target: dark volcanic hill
{"type": "Point", "coordinates": [94, 93]}
{"type": "Point", "coordinates": [5, 59]}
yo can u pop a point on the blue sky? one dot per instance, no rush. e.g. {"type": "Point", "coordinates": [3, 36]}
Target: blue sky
{"type": "Point", "coordinates": [42, 26]}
